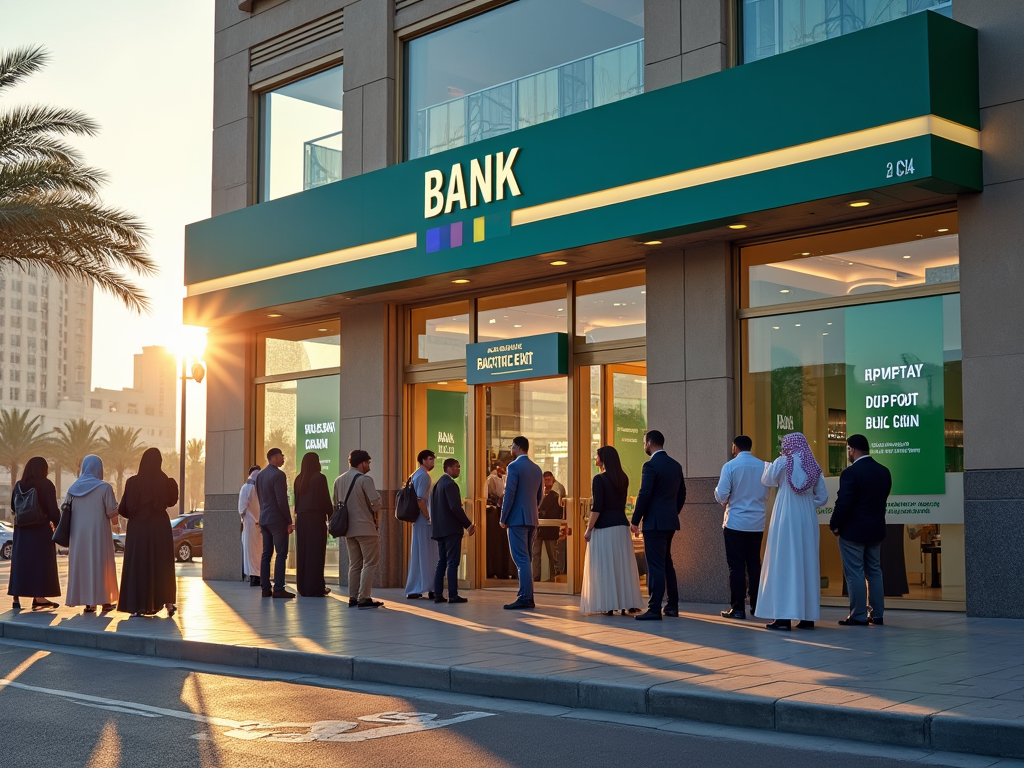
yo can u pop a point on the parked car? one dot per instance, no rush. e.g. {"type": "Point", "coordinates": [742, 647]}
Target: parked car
{"type": "Point", "coordinates": [6, 540]}
{"type": "Point", "coordinates": [187, 532]}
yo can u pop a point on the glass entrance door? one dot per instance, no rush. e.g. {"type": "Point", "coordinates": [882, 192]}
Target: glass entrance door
{"type": "Point", "coordinates": [612, 411]}
{"type": "Point", "coordinates": [539, 410]}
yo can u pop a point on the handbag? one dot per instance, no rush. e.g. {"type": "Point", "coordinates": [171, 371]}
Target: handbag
{"type": "Point", "coordinates": [27, 512]}
{"type": "Point", "coordinates": [407, 503]}
{"type": "Point", "coordinates": [62, 534]}
{"type": "Point", "coordinates": [337, 526]}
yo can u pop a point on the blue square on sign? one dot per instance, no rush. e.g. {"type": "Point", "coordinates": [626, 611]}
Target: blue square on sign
{"type": "Point", "coordinates": [433, 240]}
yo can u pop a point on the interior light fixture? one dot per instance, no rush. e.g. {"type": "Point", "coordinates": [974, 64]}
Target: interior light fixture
{"type": "Point", "coordinates": [653, 242]}
{"type": "Point", "coordinates": [944, 229]}
{"type": "Point", "coordinates": [443, 383]}
{"type": "Point", "coordinates": [561, 309]}
{"type": "Point", "coordinates": [806, 253]}
{"type": "Point", "coordinates": [860, 203]}
{"type": "Point", "coordinates": [797, 324]}
{"type": "Point", "coordinates": [907, 256]}
{"type": "Point", "coordinates": [460, 281]}
{"type": "Point", "coordinates": [643, 293]}
{"type": "Point", "coordinates": [828, 323]}
{"type": "Point", "coordinates": [492, 321]}
{"type": "Point", "coordinates": [825, 334]}
{"type": "Point", "coordinates": [784, 290]}
{"type": "Point", "coordinates": [273, 314]}
{"type": "Point", "coordinates": [737, 226]}
{"type": "Point", "coordinates": [517, 326]}
{"type": "Point", "coordinates": [559, 263]}
{"type": "Point", "coordinates": [322, 330]}
{"type": "Point", "coordinates": [775, 327]}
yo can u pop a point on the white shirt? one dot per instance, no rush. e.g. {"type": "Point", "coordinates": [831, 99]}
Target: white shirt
{"type": "Point", "coordinates": [742, 493]}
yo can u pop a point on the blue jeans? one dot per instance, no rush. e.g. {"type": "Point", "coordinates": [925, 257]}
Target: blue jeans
{"type": "Point", "coordinates": [275, 539]}
{"type": "Point", "coordinates": [449, 552]}
{"type": "Point", "coordinates": [863, 563]}
{"type": "Point", "coordinates": [520, 543]}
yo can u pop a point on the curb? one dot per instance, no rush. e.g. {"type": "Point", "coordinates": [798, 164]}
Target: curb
{"type": "Point", "coordinates": [940, 732]}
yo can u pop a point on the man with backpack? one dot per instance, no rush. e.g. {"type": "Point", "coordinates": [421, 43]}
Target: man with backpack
{"type": "Point", "coordinates": [356, 490]}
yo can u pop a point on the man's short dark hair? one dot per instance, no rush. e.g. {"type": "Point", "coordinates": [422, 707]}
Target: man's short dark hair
{"type": "Point", "coordinates": [449, 462]}
{"type": "Point", "coordinates": [522, 443]}
{"type": "Point", "coordinates": [549, 474]}
{"type": "Point", "coordinates": [273, 452]}
{"type": "Point", "coordinates": [859, 443]}
{"type": "Point", "coordinates": [254, 468]}
{"type": "Point", "coordinates": [425, 454]}
{"type": "Point", "coordinates": [743, 442]}
{"type": "Point", "coordinates": [654, 437]}
{"type": "Point", "coordinates": [357, 457]}
{"type": "Point", "coordinates": [495, 466]}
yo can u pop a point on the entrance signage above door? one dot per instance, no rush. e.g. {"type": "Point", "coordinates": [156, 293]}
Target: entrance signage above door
{"type": "Point", "coordinates": [479, 185]}
{"type": "Point", "coordinates": [528, 357]}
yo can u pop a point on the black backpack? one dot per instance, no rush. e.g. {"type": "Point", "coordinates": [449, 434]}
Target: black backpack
{"type": "Point", "coordinates": [337, 526]}
{"type": "Point", "coordinates": [27, 511]}
{"type": "Point", "coordinates": [407, 503]}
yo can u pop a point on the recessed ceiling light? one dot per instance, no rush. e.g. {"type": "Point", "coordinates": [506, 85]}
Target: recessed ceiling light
{"type": "Point", "coordinates": [653, 242]}
{"type": "Point", "coordinates": [737, 226]}
{"type": "Point", "coordinates": [492, 321]}
{"type": "Point", "coordinates": [321, 329]}
{"type": "Point", "coordinates": [828, 323]}
{"type": "Point", "coordinates": [825, 334]}
{"type": "Point", "coordinates": [460, 281]}
{"type": "Point", "coordinates": [643, 293]}
{"type": "Point", "coordinates": [944, 229]}
{"type": "Point", "coordinates": [517, 326]}
{"type": "Point", "coordinates": [860, 203]}
{"type": "Point", "coordinates": [907, 256]}
{"type": "Point", "coordinates": [806, 253]}
{"type": "Point", "coordinates": [561, 309]}
{"type": "Point", "coordinates": [617, 304]}
{"type": "Point", "coordinates": [784, 290]}
{"type": "Point", "coordinates": [273, 314]}
{"type": "Point", "coordinates": [797, 324]}
{"type": "Point", "coordinates": [775, 327]}
{"type": "Point", "coordinates": [559, 263]}
{"type": "Point", "coordinates": [442, 383]}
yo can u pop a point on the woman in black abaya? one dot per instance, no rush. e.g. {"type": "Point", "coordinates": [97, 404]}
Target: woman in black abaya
{"type": "Point", "coordinates": [34, 557]}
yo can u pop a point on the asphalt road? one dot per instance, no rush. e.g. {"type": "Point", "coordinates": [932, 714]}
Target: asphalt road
{"type": "Point", "coordinates": [84, 708]}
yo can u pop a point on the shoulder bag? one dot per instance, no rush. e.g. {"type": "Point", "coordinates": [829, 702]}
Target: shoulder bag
{"type": "Point", "coordinates": [407, 503]}
{"type": "Point", "coordinates": [62, 534]}
{"type": "Point", "coordinates": [337, 526]}
{"type": "Point", "coordinates": [27, 512]}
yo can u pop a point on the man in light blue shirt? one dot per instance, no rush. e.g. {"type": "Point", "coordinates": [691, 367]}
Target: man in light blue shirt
{"type": "Point", "coordinates": [743, 495]}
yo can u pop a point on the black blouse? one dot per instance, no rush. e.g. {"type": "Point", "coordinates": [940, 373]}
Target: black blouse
{"type": "Point", "coordinates": [609, 502]}
{"type": "Point", "coordinates": [316, 499]}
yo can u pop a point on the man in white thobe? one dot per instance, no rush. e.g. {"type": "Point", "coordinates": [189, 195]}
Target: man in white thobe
{"type": "Point", "coordinates": [252, 540]}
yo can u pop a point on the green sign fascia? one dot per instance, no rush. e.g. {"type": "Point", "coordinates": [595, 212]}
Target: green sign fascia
{"type": "Point", "coordinates": [317, 417]}
{"type": "Point", "coordinates": [446, 431]}
{"type": "Point", "coordinates": [922, 65]}
{"type": "Point", "coordinates": [528, 357]}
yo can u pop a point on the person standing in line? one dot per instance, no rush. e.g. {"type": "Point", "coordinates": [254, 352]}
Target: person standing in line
{"type": "Point", "coordinates": [275, 523]}
{"type": "Point", "coordinates": [611, 581]}
{"type": "Point", "coordinates": [312, 510]}
{"type": "Point", "coordinates": [524, 489]}
{"type": "Point", "coordinates": [34, 556]}
{"type": "Point", "coordinates": [421, 562]}
{"type": "Point", "coordinates": [147, 571]}
{"type": "Point", "coordinates": [547, 535]}
{"type": "Point", "coordinates": [252, 539]}
{"type": "Point", "coordinates": [743, 495]}
{"type": "Point", "coordinates": [92, 575]}
{"type": "Point", "coordinates": [498, 560]}
{"type": "Point", "coordinates": [449, 522]}
{"type": "Point", "coordinates": [790, 587]}
{"type": "Point", "coordinates": [858, 521]}
{"type": "Point", "coordinates": [363, 536]}
{"type": "Point", "coordinates": [658, 504]}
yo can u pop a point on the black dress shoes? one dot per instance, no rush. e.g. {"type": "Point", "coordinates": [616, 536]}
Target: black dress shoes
{"type": "Point", "coordinates": [876, 622]}
{"type": "Point", "coordinates": [730, 614]}
{"type": "Point", "coordinates": [440, 600]}
{"type": "Point", "coordinates": [649, 616]}
{"type": "Point", "coordinates": [284, 594]}
{"type": "Point", "coordinates": [520, 604]}
{"type": "Point", "coordinates": [848, 622]}
{"type": "Point", "coordinates": [254, 581]}
{"type": "Point", "coordinates": [268, 593]}
{"type": "Point", "coordinates": [805, 625]}
{"type": "Point", "coordinates": [352, 602]}
{"type": "Point", "coordinates": [415, 596]}
{"type": "Point", "coordinates": [457, 599]}
{"type": "Point", "coordinates": [671, 613]}
{"type": "Point", "coordinates": [369, 603]}
{"type": "Point", "coordinates": [783, 624]}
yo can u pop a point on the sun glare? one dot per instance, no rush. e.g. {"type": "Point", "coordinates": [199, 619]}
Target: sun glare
{"type": "Point", "coordinates": [189, 341]}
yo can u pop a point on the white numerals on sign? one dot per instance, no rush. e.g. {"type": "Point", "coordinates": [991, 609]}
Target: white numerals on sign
{"type": "Point", "coordinates": [900, 168]}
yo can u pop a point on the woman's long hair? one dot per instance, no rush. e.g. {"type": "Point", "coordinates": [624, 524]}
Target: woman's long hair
{"type": "Point", "coordinates": [310, 467]}
{"type": "Point", "coordinates": [36, 469]}
{"type": "Point", "coordinates": [613, 468]}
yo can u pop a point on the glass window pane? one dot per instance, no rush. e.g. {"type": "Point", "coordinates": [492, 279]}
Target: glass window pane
{"type": "Point", "coordinates": [300, 348]}
{"type": "Point", "coordinates": [921, 251]}
{"type": "Point", "coordinates": [439, 333]}
{"type": "Point", "coordinates": [612, 307]}
{"type": "Point", "coordinates": [477, 78]}
{"type": "Point", "coordinates": [301, 135]}
{"type": "Point", "coordinates": [526, 313]}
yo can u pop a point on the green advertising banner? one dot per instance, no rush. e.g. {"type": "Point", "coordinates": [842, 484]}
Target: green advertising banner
{"type": "Point", "coordinates": [787, 397]}
{"type": "Point", "coordinates": [446, 430]}
{"type": "Point", "coordinates": [895, 392]}
{"type": "Point", "coordinates": [629, 416]}
{"type": "Point", "coordinates": [317, 412]}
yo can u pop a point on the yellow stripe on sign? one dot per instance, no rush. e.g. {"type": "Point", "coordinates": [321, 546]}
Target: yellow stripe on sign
{"type": "Point", "coordinates": [478, 229]}
{"type": "Point", "coordinates": [744, 166]}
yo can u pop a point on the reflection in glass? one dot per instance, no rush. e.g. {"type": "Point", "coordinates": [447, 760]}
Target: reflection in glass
{"type": "Point", "coordinates": [300, 348]}
{"type": "Point", "coordinates": [477, 78]}
{"type": "Point", "coordinates": [526, 313]}
{"type": "Point", "coordinates": [776, 26]}
{"type": "Point", "coordinates": [301, 135]}
{"type": "Point", "coordinates": [439, 333]}
{"type": "Point", "coordinates": [612, 307]}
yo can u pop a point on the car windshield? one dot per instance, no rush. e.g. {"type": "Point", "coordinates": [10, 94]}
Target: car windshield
{"type": "Point", "coordinates": [177, 521]}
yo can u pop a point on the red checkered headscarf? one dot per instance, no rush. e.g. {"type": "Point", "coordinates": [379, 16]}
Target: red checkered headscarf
{"type": "Point", "coordinates": [795, 448]}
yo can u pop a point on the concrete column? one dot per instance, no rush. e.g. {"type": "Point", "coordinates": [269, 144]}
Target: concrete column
{"type": "Point", "coordinates": [684, 39]}
{"type": "Point", "coordinates": [991, 283]}
{"type": "Point", "coordinates": [369, 86]}
{"type": "Point", "coordinates": [228, 403]}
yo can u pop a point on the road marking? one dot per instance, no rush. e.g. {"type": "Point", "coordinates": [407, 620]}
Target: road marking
{"type": "Point", "coordinates": [392, 723]}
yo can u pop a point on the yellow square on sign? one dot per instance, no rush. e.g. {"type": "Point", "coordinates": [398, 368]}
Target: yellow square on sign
{"type": "Point", "coordinates": [478, 229]}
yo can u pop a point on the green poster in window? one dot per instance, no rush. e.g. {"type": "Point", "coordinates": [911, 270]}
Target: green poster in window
{"type": "Point", "coordinates": [894, 389]}
{"type": "Point", "coordinates": [787, 396]}
{"type": "Point", "coordinates": [446, 431]}
{"type": "Point", "coordinates": [317, 413]}
{"type": "Point", "coordinates": [630, 423]}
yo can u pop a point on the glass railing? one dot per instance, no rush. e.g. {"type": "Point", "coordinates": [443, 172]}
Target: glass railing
{"type": "Point", "coordinates": [605, 77]}
{"type": "Point", "coordinates": [322, 160]}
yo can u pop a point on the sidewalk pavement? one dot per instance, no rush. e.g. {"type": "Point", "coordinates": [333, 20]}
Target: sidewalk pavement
{"type": "Point", "coordinates": [930, 680]}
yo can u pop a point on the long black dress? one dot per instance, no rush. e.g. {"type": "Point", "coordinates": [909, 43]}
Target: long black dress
{"type": "Point", "coordinates": [34, 557]}
{"type": "Point", "coordinates": [312, 509]}
{"type": "Point", "coordinates": [147, 571]}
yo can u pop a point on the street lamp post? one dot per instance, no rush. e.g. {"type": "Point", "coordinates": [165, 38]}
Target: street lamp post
{"type": "Point", "coordinates": [198, 373]}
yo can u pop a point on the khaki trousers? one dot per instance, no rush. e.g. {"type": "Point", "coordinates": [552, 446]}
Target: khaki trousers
{"type": "Point", "coordinates": [363, 555]}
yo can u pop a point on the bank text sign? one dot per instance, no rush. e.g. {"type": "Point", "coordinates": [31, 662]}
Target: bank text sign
{"type": "Point", "coordinates": [527, 357]}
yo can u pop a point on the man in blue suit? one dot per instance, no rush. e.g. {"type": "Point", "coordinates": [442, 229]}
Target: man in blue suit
{"type": "Point", "coordinates": [524, 489]}
{"type": "Point", "coordinates": [661, 497]}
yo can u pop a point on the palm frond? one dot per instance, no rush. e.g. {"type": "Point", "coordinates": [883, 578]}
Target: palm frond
{"type": "Point", "coordinates": [20, 63]}
{"type": "Point", "coordinates": [27, 178]}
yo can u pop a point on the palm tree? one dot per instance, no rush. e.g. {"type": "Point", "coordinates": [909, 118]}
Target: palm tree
{"type": "Point", "coordinates": [121, 451]}
{"type": "Point", "coordinates": [50, 212]}
{"type": "Point", "coordinates": [21, 438]}
{"type": "Point", "coordinates": [195, 470]}
{"type": "Point", "coordinates": [74, 441]}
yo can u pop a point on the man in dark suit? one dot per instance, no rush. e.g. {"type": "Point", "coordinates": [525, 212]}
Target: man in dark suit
{"type": "Point", "coordinates": [859, 521]}
{"type": "Point", "coordinates": [661, 498]}
{"type": "Point", "coordinates": [275, 522]}
{"type": "Point", "coordinates": [448, 521]}
{"type": "Point", "coordinates": [524, 489]}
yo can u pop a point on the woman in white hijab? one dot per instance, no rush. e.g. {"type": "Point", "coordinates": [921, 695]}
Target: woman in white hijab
{"type": "Point", "coordinates": [92, 576]}
{"type": "Point", "coordinates": [790, 586]}
{"type": "Point", "coordinates": [252, 539]}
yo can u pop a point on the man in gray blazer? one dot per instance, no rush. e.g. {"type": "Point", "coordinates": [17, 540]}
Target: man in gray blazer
{"type": "Point", "coordinates": [524, 489]}
{"type": "Point", "coordinates": [275, 523]}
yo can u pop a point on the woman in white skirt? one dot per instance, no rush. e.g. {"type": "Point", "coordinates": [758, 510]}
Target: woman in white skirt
{"type": "Point", "coordinates": [611, 581]}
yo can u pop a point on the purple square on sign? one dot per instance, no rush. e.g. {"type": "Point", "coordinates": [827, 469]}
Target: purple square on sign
{"type": "Point", "coordinates": [433, 240]}
{"type": "Point", "coordinates": [457, 234]}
